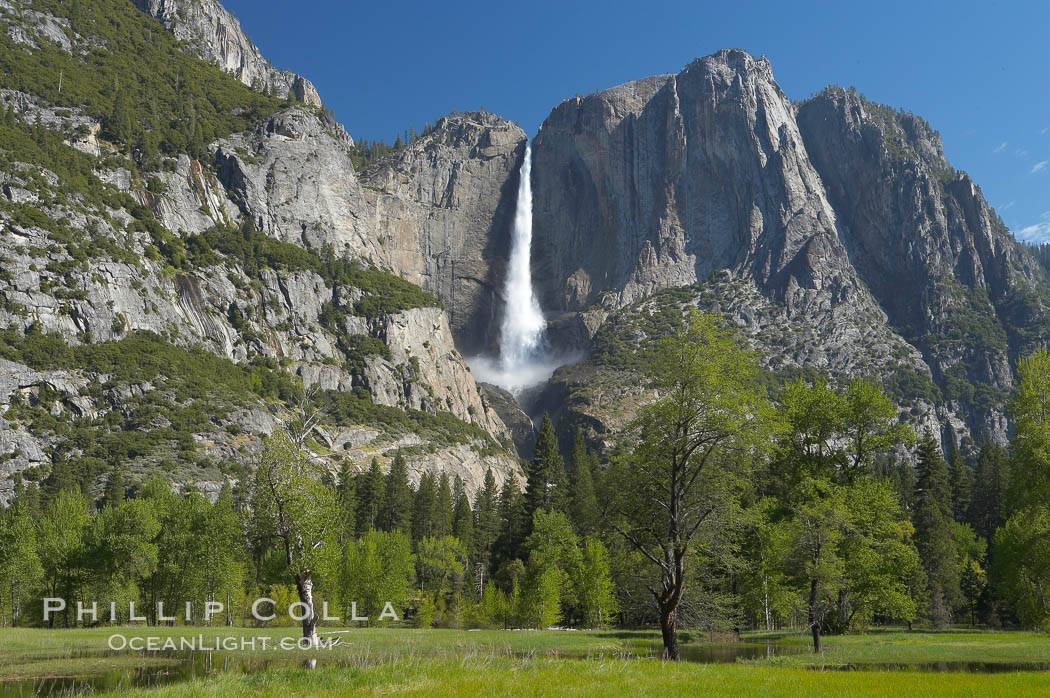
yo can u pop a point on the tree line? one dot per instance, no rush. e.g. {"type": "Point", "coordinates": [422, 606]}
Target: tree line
{"type": "Point", "coordinates": [293, 531]}
{"type": "Point", "coordinates": [718, 508]}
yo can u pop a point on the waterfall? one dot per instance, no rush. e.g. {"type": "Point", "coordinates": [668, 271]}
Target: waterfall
{"type": "Point", "coordinates": [521, 334]}
{"type": "Point", "coordinates": [525, 358]}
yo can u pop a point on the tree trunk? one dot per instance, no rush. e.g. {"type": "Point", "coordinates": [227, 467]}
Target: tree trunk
{"type": "Point", "coordinates": [305, 586]}
{"type": "Point", "coordinates": [669, 632]}
{"type": "Point", "coordinates": [814, 622]}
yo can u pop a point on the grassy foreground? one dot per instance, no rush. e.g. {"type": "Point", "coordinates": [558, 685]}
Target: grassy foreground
{"type": "Point", "coordinates": [453, 663]}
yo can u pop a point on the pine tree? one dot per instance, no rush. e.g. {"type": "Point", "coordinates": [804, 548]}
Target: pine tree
{"type": "Point", "coordinates": [423, 508]}
{"type": "Point", "coordinates": [511, 537]}
{"type": "Point", "coordinates": [396, 513]}
{"type": "Point", "coordinates": [545, 480]}
{"type": "Point", "coordinates": [369, 499]}
{"type": "Point", "coordinates": [113, 495]}
{"type": "Point", "coordinates": [934, 536]}
{"type": "Point", "coordinates": [583, 507]}
{"type": "Point", "coordinates": [462, 516]}
{"type": "Point", "coordinates": [992, 480]}
{"type": "Point", "coordinates": [443, 507]}
{"type": "Point", "coordinates": [25, 498]}
{"type": "Point", "coordinates": [119, 126]}
{"type": "Point", "coordinates": [486, 518]}
{"type": "Point", "coordinates": [962, 486]}
{"type": "Point", "coordinates": [934, 481]}
{"type": "Point", "coordinates": [60, 480]}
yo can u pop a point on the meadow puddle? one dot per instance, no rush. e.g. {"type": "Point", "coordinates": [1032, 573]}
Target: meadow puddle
{"type": "Point", "coordinates": [179, 666]}
{"type": "Point", "coordinates": [722, 653]}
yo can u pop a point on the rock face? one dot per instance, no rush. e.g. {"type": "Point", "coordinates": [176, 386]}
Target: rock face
{"type": "Point", "coordinates": [445, 207]}
{"type": "Point", "coordinates": [294, 178]}
{"type": "Point", "coordinates": [437, 377]}
{"type": "Point", "coordinates": [438, 213]}
{"type": "Point", "coordinates": [660, 182]}
{"type": "Point", "coordinates": [951, 277]}
{"type": "Point", "coordinates": [838, 214]}
{"type": "Point", "coordinates": [216, 36]}
{"type": "Point", "coordinates": [833, 233]}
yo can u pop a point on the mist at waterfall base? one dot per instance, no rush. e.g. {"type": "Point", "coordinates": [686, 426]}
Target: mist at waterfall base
{"type": "Point", "coordinates": [525, 356]}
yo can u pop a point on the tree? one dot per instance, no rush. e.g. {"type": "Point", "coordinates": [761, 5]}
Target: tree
{"type": "Point", "coordinates": [870, 426]}
{"type": "Point", "coordinates": [181, 543]}
{"type": "Point", "coordinates": [848, 549]}
{"type": "Point", "coordinates": [553, 562]}
{"type": "Point", "coordinates": [222, 564]}
{"type": "Point", "coordinates": [423, 508]}
{"type": "Point", "coordinates": [292, 503]}
{"type": "Point", "coordinates": [818, 522]}
{"type": "Point", "coordinates": [113, 495]}
{"type": "Point", "coordinates": [962, 486]}
{"type": "Point", "coordinates": [122, 550]}
{"type": "Point", "coordinates": [20, 566]}
{"type": "Point", "coordinates": [972, 581]}
{"type": "Point", "coordinates": [1021, 565]}
{"type": "Point", "coordinates": [988, 508]}
{"type": "Point", "coordinates": [686, 470]}
{"type": "Point", "coordinates": [766, 585]}
{"type": "Point", "coordinates": [545, 475]}
{"type": "Point", "coordinates": [933, 530]}
{"type": "Point", "coordinates": [462, 516]}
{"type": "Point", "coordinates": [440, 562]}
{"type": "Point", "coordinates": [62, 530]}
{"type": "Point", "coordinates": [1021, 552]}
{"type": "Point", "coordinates": [511, 513]}
{"type": "Point", "coordinates": [443, 508]}
{"type": "Point", "coordinates": [1030, 408]}
{"type": "Point", "coordinates": [881, 563]}
{"type": "Point", "coordinates": [583, 505]}
{"type": "Point", "coordinates": [396, 511]}
{"type": "Point", "coordinates": [379, 569]}
{"type": "Point", "coordinates": [595, 590]}
{"type": "Point", "coordinates": [369, 492]}
{"type": "Point", "coordinates": [486, 519]}
{"type": "Point", "coordinates": [346, 502]}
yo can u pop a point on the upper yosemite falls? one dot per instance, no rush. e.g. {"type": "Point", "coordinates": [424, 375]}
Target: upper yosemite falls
{"type": "Point", "coordinates": [439, 295]}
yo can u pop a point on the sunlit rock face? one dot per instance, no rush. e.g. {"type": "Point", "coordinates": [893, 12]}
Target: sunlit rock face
{"type": "Point", "coordinates": [216, 36]}
{"type": "Point", "coordinates": [835, 214]}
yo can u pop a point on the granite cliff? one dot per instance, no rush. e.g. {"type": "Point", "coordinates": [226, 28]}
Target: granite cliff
{"type": "Point", "coordinates": [244, 248]}
{"type": "Point", "coordinates": [215, 35]}
{"type": "Point", "coordinates": [269, 252]}
{"type": "Point", "coordinates": [832, 231]}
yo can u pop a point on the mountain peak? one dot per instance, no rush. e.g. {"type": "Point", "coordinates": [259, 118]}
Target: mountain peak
{"type": "Point", "coordinates": [216, 36]}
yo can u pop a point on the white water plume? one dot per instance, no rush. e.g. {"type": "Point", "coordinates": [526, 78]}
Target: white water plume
{"type": "Point", "coordinates": [521, 334]}
{"type": "Point", "coordinates": [524, 357]}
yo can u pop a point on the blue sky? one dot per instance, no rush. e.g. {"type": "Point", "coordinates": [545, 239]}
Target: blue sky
{"type": "Point", "coordinates": [979, 72]}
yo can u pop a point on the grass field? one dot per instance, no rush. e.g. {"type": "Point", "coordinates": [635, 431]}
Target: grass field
{"type": "Point", "coordinates": [454, 662]}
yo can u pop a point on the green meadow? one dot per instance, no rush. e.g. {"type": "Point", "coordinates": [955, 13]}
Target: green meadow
{"type": "Point", "coordinates": [396, 661]}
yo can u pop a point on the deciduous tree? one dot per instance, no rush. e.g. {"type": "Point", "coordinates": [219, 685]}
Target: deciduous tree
{"type": "Point", "coordinates": [292, 503]}
{"type": "Point", "coordinates": [689, 460]}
